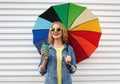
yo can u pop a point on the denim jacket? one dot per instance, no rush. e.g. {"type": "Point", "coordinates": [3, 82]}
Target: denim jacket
{"type": "Point", "coordinates": [51, 66]}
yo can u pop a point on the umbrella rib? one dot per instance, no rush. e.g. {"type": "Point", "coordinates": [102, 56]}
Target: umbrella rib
{"type": "Point", "coordinates": [68, 14]}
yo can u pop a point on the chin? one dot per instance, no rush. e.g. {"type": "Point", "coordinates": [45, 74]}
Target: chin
{"type": "Point", "coordinates": [56, 37]}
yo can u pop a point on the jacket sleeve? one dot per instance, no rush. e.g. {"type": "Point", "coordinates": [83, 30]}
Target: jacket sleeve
{"type": "Point", "coordinates": [42, 72]}
{"type": "Point", "coordinates": [73, 60]}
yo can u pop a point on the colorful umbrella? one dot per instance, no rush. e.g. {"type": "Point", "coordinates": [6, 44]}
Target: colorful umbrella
{"type": "Point", "coordinates": [83, 28]}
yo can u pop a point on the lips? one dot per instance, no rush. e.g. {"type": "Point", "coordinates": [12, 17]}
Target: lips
{"type": "Point", "coordinates": [55, 34]}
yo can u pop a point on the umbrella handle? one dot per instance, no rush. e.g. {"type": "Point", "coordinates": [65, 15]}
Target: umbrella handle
{"type": "Point", "coordinates": [68, 62]}
{"type": "Point", "coordinates": [69, 66]}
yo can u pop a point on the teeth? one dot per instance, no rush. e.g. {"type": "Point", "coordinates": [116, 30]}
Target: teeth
{"type": "Point", "coordinates": [56, 34]}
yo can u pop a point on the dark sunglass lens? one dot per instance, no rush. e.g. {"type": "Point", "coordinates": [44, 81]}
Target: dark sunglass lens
{"type": "Point", "coordinates": [52, 29]}
{"type": "Point", "coordinates": [58, 29]}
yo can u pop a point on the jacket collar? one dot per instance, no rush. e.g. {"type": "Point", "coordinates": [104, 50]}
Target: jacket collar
{"type": "Point", "coordinates": [51, 46]}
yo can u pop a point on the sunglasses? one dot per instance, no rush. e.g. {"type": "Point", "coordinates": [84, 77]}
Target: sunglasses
{"type": "Point", "coordinates": [56, 29]}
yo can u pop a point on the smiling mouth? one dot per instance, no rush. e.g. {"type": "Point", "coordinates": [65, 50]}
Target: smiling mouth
{"type": "Point", "coordinates": [56, 34]}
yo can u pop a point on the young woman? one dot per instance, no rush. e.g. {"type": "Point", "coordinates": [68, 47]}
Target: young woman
{"type": "Point", "coordinates": [60, 62]}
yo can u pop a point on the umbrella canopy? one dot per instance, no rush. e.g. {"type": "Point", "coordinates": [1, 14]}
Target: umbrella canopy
{"type": "Point", "coordinates": [83, 28]}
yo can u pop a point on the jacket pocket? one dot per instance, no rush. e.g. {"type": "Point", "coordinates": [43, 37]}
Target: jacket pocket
{"type": "Point", "coordinates": [65, 72]}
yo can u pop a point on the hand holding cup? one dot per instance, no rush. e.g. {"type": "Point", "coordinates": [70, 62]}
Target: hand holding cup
{"type": "Point", "coordinates": [43, 53]}
{"type": "Point", "coordinates": [44, 50]}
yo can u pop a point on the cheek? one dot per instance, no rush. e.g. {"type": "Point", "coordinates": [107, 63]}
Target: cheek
{"type": "Point", "coordinates": [60, 34]}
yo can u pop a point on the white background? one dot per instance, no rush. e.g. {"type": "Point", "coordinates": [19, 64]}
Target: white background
{"type": "Point", "coordinates": [19, 58]}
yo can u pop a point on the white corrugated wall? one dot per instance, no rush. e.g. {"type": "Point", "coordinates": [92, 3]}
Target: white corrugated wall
{"type": "Point", "coordinates": [19, 58]}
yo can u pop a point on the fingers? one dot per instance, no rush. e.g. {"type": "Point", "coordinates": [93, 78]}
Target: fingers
{"type": "Point", "coordinates": [46, 58]}
{"type": "Point", "coordinates": [67, 58]}
{"type": "Point", "coordinates": [42, 51]}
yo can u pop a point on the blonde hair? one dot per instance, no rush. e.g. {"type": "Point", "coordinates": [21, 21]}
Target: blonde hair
{"type": "Point", "coordinates": [64, 33]}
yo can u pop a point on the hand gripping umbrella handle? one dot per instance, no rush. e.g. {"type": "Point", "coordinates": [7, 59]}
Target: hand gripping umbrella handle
{"type": "Point", "coordinates": [68, 64]}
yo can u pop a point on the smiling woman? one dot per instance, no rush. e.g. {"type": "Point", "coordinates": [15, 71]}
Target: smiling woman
{"type": "Point", "coordinates": [55, 65]}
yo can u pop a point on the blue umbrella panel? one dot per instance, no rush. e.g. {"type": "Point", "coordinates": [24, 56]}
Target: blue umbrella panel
{"type": "Point", "coordinates": [40, 32]}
